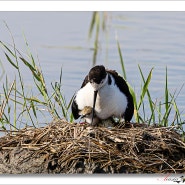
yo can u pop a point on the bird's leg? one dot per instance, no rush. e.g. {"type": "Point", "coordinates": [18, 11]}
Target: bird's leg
{"type": "Point", "coordinates": [94, 102]}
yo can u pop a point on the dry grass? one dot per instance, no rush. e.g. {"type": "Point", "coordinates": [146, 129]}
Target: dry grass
{"type": "Point", "coordinates": [62, 147]}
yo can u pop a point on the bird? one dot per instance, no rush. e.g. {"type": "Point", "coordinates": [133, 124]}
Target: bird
{"type": "Point", "coordinates": [107, 93]}
{"type": "Point", "coordinates": [86, 114]}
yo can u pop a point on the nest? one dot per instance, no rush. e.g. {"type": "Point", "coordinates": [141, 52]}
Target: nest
{"type": "Point", "coordinates": [63, 147]}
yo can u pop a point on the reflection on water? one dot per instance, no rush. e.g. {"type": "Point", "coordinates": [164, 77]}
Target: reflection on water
{"type": "Point", "coordinates": [60, 39]}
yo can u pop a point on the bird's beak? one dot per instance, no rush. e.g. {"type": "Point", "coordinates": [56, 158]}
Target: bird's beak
{"type": "Point", "coordinates": [94, 102]}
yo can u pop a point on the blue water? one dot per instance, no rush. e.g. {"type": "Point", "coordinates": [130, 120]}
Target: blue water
{"type": "Point", "coordinates": [60, 39]}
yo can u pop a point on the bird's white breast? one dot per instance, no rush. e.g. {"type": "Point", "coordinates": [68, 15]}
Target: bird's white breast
{"type": "Point", "coordinates": [110, 100]}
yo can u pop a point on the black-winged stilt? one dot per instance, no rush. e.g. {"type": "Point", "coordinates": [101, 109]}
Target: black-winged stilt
{"type": "Point", "coordinates": [106, 93]}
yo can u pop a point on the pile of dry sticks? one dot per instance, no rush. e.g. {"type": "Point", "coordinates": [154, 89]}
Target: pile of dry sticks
{"type": "Point", "coordinates": [63, 147]}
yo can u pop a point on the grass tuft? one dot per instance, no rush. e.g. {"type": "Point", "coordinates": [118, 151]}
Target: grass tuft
{"type": "Point", "coordinates": [158, 112]}
{"type": "Point", "coordinates": [26, 106]}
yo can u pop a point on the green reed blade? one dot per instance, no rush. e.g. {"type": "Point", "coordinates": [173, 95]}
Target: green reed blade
{"type": "Point", "coordinates": [145, 87]}
{"type": "Point", "coordinates": [92, 23]}
{"type": "Point", "coordinates": [166, 92]}
{"type": "Point", "coordinates": [121, 60]}
{"type": "Point", "coordinates": [33, 108]}
{"type": "Point", "coordinates": [32, 68]}
{"type": "Point", "coordinates": [15, 104]}
{"type": "Point", "coordinates": [70, 102]}
{"type": "Point", "coordinates": [11, 62]}
{"type": "Point", "coordinates": [7, 49]}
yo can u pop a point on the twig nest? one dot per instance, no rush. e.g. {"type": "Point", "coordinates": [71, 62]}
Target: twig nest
{"type": "Point", "coordinates": [63, 147]}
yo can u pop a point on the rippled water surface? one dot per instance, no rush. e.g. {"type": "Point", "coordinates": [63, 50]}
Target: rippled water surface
{"type": "Point", "coordinates": [60, 39]}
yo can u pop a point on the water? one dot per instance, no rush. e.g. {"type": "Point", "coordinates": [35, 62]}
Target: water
{"type": "Point", "coordinates": [60, 39]}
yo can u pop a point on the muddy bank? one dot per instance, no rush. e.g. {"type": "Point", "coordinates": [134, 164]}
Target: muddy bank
{"type": "Point", "coordinates": [63, 147]}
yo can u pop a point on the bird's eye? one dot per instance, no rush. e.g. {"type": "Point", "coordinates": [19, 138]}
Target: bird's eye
{"type": "Point", "coordinates": [101, 81]}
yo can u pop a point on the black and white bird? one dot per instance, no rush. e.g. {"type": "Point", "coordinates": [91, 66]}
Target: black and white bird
{"type": "Point", "coordinates": [108, 95]}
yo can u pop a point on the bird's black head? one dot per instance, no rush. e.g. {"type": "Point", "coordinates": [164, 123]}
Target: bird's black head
{"type": "Point", "coordinates": [97, 76]}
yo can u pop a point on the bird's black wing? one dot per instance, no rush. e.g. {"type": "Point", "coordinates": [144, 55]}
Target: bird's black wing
{"type": "Point", "coordinates": [85, 81]}
{"type": "Point", "coordinates": [74, 107]}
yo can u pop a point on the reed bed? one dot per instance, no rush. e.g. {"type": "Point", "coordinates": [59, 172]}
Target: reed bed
{"type": "Point", "coordinates": [69, 148]}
